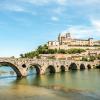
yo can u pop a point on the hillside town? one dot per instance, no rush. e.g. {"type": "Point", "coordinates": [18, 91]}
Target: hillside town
{"type": "Point", "coordinates": [67, 48]}
{"type": "Point", "coordinates": [66, 42]}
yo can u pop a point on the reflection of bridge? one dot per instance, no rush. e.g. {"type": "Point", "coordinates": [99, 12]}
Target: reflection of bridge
{"type": "Point", "coordinates": [21, 66]}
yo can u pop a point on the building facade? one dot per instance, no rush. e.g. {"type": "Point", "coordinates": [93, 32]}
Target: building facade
{"type": "Point", "coordinates": [65, 41]}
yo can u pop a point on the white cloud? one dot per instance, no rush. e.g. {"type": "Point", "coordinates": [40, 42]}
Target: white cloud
{"type": "Point", "coordinates": [45, 2]}
{"type": "Point", "coordinates": [62, 2]}
{"type": "Point", "coordinates": [58, 10]}
{"type": "Point", "coordinates": [15, 8]}
{"type": "Point", "coordinates": [79, 31]}
{"type": "Point", "coordinates": [54, 18]}
{"type": "Point", "coordinates": [12, 7]}
{"type": "Point", "coordinates": [25, 5]}
{"type": "Point", "coordinates": [85, 2]}
{"type": "Point", "coordinates": [36, 2]}
{"type": "Point", "coordinates": [96, 24]}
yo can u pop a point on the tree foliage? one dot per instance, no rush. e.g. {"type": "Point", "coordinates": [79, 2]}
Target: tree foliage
{"type": "Point", "coordinates": [89, 58]}
{"type": "Point", "coordinates": [73, 51]}
{"type": "Point", "coordinates": [45, 50]}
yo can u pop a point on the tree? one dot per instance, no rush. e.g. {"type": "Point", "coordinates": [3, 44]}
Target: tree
{"type": "Point", "coordinates": [62, 51]}
{"type": "Point", "coordinates": [44, 50]}
{"type": "Point", "coordinates": [98, 57]}
{"type": "Point", "coordinates": [21, 55]}
{"type": "Point", "coordinates": [92, 58]}
{"type": "Point", "coordinates": [84, 59]}
{"type": "Point", "coordinates": [73, 51]}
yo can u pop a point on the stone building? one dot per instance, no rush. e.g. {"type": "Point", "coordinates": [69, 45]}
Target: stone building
{"type": "Point", "coordinates": [65, 41]}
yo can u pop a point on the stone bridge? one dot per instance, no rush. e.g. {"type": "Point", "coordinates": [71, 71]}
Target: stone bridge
{"type": "Point", "coordinates": [22, 65]}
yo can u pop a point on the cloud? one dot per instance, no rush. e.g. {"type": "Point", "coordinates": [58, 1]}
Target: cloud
{"type": "Point", "coordinates": [45, 2]}
{"type": "Point", "coordinates": [58, 10]}
{"type": "Point", "coordinates": [11, 7]}
{"type": "Point", "coordinates": [36, 2]}
{"type": "Point", "coordinates": [96, 24]}
{"type": "Point", "coordinates": [79, 31]}
{"type": "Point", "coordinates": [15, 8]}
{"type": "Point", "coordinates": [82, 31]}
{"type": "Point", "coordinates": [62, 2]}
{"type": "Point", "coordinates": [54, 18]}
{"type": "Point", "coordinates": [85, 2]}
{"type": "Point", "coordinates": [29, 5]}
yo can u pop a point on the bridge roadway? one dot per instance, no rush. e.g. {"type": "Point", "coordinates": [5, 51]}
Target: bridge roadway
{"type": "Point", "coordinates": [21, 65]}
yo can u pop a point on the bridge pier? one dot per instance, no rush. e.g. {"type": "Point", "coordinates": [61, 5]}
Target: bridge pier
{"type": "Point", "coordinates": [23, 72]}
{"type": "Point", "coordinates": [42, 71]}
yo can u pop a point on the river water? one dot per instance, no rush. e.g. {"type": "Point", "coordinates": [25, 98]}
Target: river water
{"type": "Point", "coordinates": [71, 85]}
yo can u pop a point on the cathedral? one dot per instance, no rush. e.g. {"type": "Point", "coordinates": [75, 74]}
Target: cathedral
{"type": "Point", "coordinates": [65, 40]}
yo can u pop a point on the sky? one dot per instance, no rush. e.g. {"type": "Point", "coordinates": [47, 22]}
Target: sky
{"type": "Point", "coordinates": [26, 24]}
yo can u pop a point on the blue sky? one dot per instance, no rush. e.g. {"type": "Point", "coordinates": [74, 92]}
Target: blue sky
{"type": "Point", "coordinates": [25, 24]}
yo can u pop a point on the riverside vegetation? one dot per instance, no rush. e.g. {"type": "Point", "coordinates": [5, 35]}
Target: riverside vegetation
{"type": "Point", "coordinates": [45, 50]}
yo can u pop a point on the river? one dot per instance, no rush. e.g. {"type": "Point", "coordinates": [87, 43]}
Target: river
{"type": "Point", "coordinates": [71, 85]}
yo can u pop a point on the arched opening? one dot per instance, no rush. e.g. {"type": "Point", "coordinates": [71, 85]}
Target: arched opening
{"type": "Point", "coordinates": [34, 69]}
{"type": "Point", "coordinates": [62, 68]}
{"type": "Point", "coordinates": [6, 65]}
{"type": "Point", "coordinates": [82, 67]}
{"type": "Point", "coordinates": [89, 66]}
{"type": "Point", "coordinates": [24, 66]}
{"type": "Point", "coordinates": [98, 66]}
{"type": "Point", "coordinates": [50, 69]}
{"type": "Point", "coordinates": [73, 66]}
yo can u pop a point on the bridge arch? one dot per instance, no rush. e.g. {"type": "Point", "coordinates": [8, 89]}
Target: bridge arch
{"type": "Point", "coordinates": [50, 69]}
{"type": "Point", "coordinates": [82, 67]}
{"type": "Point", "coordinates": [89, 66]}
{"type": "Point", "coordinates": [62, 68]}
{"type": "Point", "coordinates": [73, 66]}
{"type": "Point", "coordinates": [36, 66]}
{"type": "Point", "coordinates": [14, 67]}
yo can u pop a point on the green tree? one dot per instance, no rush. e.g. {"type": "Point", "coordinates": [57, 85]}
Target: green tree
{"type": "Point", "coordinates": [98, 57]}
{"type": "Point", "coordinates": [22, 55]}
{"type": "Point", "coordinates": [92, 58]}
{"type": "Point", "coordinates": [62, 51]}
{"type": "Point", "coordinates": [84, 59]}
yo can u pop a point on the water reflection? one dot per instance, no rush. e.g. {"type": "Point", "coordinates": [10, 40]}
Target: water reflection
{"type": "Point", "coordinates": [31, 71]}
{"type": "Point", "coordinates": [7, 72]}
{"type": "Point", "coordinates": [83, 85]}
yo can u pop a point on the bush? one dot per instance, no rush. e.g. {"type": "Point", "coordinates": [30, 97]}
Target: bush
{"type": "Point", "coordinates": [73, 51]}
